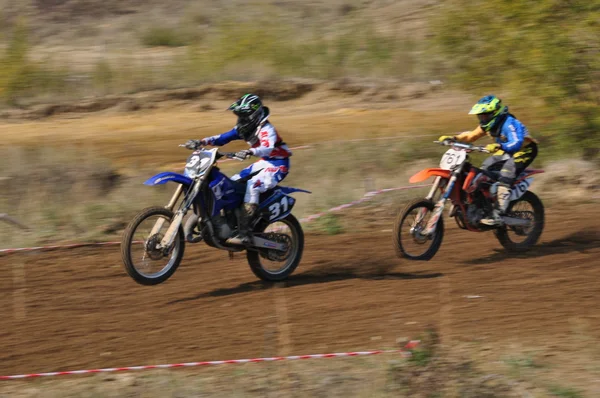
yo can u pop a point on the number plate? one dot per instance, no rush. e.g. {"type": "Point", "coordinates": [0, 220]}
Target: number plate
{"type": "Point", "coordinates": [452, 158]}
{"type": "Point", "coordinates": [519, 190]}
{"type": "Point", "coordinates": [196, 164]}
{"type": "Point", "coordinates": [279, 206]}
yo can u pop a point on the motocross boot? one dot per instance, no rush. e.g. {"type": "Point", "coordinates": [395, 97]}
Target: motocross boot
{"type": "Point", "coordinates": [502, 201]}
{"type": "Point", "coordinates": [242, 238]}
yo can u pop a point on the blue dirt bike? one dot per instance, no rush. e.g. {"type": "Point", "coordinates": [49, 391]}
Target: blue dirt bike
{"type": "Point", "coordinates": [153, 243]}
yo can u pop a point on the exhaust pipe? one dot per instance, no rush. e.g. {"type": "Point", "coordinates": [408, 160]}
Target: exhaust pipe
{"type": "Point", "coordinates": [188, 229]}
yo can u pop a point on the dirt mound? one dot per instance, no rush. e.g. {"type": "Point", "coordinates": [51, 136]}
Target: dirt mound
{"type": "Point", "coordinates": [273, 90]}
{"type": "Point", "coordinates": [67, 10]}
{"type": "Point", "coordinates": [570, 180]}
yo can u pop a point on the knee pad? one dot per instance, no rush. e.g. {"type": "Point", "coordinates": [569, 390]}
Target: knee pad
{"type": "Point", "coordinates": [506, 181]}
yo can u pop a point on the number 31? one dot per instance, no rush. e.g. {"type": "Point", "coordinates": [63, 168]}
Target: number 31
{"type": "Point", "coordinates": [275, 208]}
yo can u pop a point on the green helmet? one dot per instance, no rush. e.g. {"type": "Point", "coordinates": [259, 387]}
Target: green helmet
{"type": "Point", "coordinates": [490, 112]}
{"type": "Point", "coordinates": [250, 112]}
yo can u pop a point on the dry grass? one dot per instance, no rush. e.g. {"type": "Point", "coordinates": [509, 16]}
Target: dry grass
{"type": "Point", "coordinates": [76, 195]}
{"type": "Point", "coordinates": [150, 137]}
{"type": "Point", "coordinates": [83, 172]}
{"type": "Point", "coordinates": [466, 370]}
{"type": "Point", "coordinates": [132, 46]}
{"type": "Point", "coordinates": [81, 179]}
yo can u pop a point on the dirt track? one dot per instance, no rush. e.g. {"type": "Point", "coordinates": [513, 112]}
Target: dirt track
{"type": "Point", "coordinates": [72, 309]}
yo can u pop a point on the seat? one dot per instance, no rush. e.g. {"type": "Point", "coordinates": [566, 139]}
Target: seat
{"type": "Point", "coordinates": [240, 187]}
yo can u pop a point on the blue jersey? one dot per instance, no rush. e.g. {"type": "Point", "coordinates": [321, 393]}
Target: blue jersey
{"type": "Point", "coordinates": [268, 143]}
{"type": "Point", "coordinates": [512, 136]}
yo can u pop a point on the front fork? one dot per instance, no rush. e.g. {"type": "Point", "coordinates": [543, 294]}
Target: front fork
{"type": "Point", "coordinates": [434, 188]}
{"type": "Point", "coordinates": [169, 237]}
{"type": "Point", "coordinates": [439, 206]}
{"type": "Point", "coordinates": [423, 212]}
{"type": "Point", "coordinates": [161, 221]}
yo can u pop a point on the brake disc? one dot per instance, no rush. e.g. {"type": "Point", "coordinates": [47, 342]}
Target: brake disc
{"type": "Point", "coordinates": [152, 247]}
{"type": "Point", "coordinates": [277, 255]}
{"type": "Point", "coordinates": [417, 236]}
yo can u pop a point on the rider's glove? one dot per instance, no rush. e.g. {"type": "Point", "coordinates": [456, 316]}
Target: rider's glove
{"type": "Point", "coordinates": [243, 154]}
{"type": "Point", "coordinates": [493, 148]}
{"type": "Point", "coordinates": [447, 137]}
{"type": "Point", "coordinates": [194, 144]}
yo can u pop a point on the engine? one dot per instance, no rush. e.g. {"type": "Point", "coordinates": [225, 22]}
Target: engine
{"type": "Point", "coordinates": [474, 214]}
{"type": "Point", "coordinates": [222, 228]}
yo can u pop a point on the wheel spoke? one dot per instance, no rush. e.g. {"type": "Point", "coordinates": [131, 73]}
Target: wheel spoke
{"type": "Point", "coordinates": [520, 238]}
{"type": "Point", "coordinates": [276, 261]}
{"type": "Point", "coordinates": [276, 265]}
{"type": "Point", "coordinates": [409, 238]}
{"type": "Point", "coordinates": [147, 261]}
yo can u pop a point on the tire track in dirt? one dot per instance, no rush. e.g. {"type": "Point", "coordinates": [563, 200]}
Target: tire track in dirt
{"type": "Point", "coordinates": [80, 310]}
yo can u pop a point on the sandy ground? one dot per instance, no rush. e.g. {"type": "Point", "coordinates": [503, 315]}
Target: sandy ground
{"type": "Point", "coordinates": [72, 309]}
{"type": "Point", "coordinates": [76, 309]}
{"type": "Point", "coordinates": [149, 137]}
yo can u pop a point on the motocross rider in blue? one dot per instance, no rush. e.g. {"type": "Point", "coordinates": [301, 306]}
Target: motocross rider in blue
{"type": "Point", "coordinates": [253, 127]}
{"type": "Point", "coordinates": [513, 150]}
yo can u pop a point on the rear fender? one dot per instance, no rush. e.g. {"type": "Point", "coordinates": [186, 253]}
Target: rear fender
{"type": "Point", "coordinates": [279, 205]}
{"type": "Point", "coordinates": [527, 173]}
{"type": "Point", "coordinates": [426, 173]}
{"type": "Point", "coordinates": [288, 190]}
{"type": "Point", "coordinates": [519, 189]}
{"type": "Point", "coordinates": [167, 176]}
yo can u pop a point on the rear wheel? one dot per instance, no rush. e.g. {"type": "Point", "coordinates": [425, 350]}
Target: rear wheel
{"type": "Point", "coordinates": [521, 238]}
{"type": "Point", "coordinates": [409, 241]}
{"type": "Point", "coordinates": [274, 265]}
{"type": "Point", "coordinates": [143, 261]}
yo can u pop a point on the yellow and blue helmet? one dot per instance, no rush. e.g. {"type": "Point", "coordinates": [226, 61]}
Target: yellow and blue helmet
{"type": "Point", "coordinates": [489, 111]}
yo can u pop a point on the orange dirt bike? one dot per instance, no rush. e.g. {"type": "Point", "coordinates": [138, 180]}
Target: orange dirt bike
{"type": "Point", "coordinates": [419, 228]}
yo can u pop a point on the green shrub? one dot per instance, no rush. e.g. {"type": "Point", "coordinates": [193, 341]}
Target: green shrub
{"type": "Point", "coordinates": [544, 50]}
{"type": "Point", "coordinates": [20, 77]}
{"type": "Point", "coordinates": [564, 392]}
{"type": "Point", "coordinates": [330, 224]}
{"type": "Point", "coordinates": [103, 76]}
{"type": "Point", "coordinates": [352, 47]}
{"type": "Point", "coordinates": [163, 36]}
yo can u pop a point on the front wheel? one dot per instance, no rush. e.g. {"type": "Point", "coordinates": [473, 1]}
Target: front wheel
{"type": "Point", "coordinates": [143, 260]}
{"type": "Point", "coordinates": [409, 241]}
{"type": "Point", "coordinates": [519, 238]}
{"type": "Point", "coordinates": [273, 265]}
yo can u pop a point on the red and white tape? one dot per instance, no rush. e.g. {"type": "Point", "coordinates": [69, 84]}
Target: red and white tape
{"type": "Point", "coordinates": [368, 196]}
{"type": "Point", "coordinates": [406, 352]}
{"type": "Point", "coordinates": [53, 247]}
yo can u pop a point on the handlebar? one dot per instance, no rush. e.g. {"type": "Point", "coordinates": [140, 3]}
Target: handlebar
{"type": "Point", "coordinates": [231, 155]}
{"type": "Point", "coordinates": [460, 145]}
{"type": "Point", "coordinates": [228, 155]}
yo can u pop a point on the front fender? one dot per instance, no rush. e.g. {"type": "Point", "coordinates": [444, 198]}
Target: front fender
{"type": "Point", "coordinates": [425, 174]}
{"type": "Point", "coordinates": [167, 176]}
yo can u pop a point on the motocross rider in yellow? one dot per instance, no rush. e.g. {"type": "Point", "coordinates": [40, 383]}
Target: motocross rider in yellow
{"type": "Point", "coordinates": [513, 150]}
